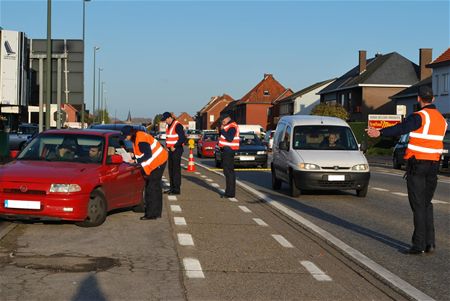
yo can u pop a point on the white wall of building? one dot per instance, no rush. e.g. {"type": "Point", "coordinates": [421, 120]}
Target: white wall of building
{"type": "Point", "coordinates": [441, 87]}
{"type": "Point", "coordinates": [306, 102]}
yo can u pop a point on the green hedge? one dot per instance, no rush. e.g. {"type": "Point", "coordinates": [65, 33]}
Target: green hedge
{"type": "Point", "coordinates": [375, 146]}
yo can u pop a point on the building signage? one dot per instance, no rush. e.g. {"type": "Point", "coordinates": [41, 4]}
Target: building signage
{"type": "Point", "coordinates": [9, 66]}
{"type": "Point", "coordinates": [383, 121]}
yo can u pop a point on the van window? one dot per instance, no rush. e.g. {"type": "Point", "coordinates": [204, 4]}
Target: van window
{"type": "Point", "coordinates": [287, 135]}
{"type": "Point", "coordinates": [278, 132]}
{"type": "Point", "coordinates": [319, 137]}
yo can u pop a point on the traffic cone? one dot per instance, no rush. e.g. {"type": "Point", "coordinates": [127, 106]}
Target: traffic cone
{"type": "Point", "coordinates": [191, 164]}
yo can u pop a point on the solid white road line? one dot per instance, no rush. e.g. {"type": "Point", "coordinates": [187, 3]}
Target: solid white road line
{"type": "Point", "coordinates": [245, 209]}
{"type": "Point", "coordinates": [260, 222]}
{"type": "Point", "coordinates": [282, 241]}
{"type": "Point", "coordinates": [185, 239]}
{"type": "Point", "coordinates": [215, 185]}
{"type": "Point", "coordinates": [233, 199]}
{"type": "Point", "coordinates": [175, 208]}
{"type": "Point", "coordinates": [193, 268]}
{"type": "Point", "coordinates": [317, 273]}
{"type": "Point", "coordinates": [172, 198]}
{"type": "Point", "coordinates": [383, 273]}
{"type": "Point", "coordinates": [400, 193]}
{"type": "Point", "coordinates": [179, 221]}
{"type": "Point", "coordinates": [379, 189]}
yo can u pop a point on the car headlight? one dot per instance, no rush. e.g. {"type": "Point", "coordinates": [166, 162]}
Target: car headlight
{"type": "Point", "coordinates": [308, 166]}
{"type": "Point", "coordinates": [261, 152]}
{"type": "Point", "coordinates": [360, 167]}
{"type": "Point", "coordinates": [65, 188]}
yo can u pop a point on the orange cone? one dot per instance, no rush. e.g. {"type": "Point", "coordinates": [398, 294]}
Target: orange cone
{"type": "Point", "coordinates": [191, 164]}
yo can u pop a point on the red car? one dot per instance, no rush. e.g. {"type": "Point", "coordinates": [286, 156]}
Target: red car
{"type": "Point", "coordinates": [206, 145]}
{"type": "Point", "coordinates": [73, 175]}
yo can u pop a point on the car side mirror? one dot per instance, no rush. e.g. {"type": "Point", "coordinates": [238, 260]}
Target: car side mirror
{"type": "Point", "coordinates": [283, 145]}
{"type": "Point", "coordinates": [116, 159]}
{"type": "Point", "coordinates": [363, 147]}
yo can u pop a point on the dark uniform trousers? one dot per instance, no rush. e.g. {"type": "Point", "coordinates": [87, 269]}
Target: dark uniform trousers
{"type": "Point", "coordinates": [421, 177]}
{"type": "Point", "coordinates": [228, 171]}
{"type": "Point", "coordinates": [175, 169]}
{"type": "Point", "coordinates": [153, 192]}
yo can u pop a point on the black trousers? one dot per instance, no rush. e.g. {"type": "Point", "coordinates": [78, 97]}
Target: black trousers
{"type": "Point", "coordinates": [175, 169]}
{"type": "Point", "coordinates": [153, 192]}
{"type": "Point", "coordinates": [228, 171]}
{"type": "Point", "coordinates": [421, 177]}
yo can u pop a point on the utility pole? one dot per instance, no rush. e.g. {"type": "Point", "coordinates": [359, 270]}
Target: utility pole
{"type": "Point", "coordinates": [49, 65]}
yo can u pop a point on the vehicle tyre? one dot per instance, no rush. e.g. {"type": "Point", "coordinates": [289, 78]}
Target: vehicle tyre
{"type": "Point", "coordinates": [395, 163]}
{"type": "Point", "coordinates": [141, 206]}
{"type": "Point", "coordinates": [264, 165]}
{"type": "Point", "coordinates": [294, 191]}
{"type": "Point", "coordinates": [218, 163]}
{"type": "Point", "coordinates": [362, 192]}
{"type": "Point", "coordinates": [276, 184]}
{"type": "Point", "coordinates": [96, 211]}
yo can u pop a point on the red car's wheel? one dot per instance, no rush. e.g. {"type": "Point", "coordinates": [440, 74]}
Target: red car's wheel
{"type": "Point", "coordinates": [97, 211]}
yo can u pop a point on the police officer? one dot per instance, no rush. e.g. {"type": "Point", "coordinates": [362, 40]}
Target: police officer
{"type": "Point", "coordinates": [175, 138]}
{"type": "Point", "coordinates": [427, 129]}
{"type": "Point", "coordinates": [228, 144]}
{"type": "Point", "coordinates": [152, 156]}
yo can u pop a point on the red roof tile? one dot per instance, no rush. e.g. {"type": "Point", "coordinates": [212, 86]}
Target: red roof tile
{"type": "Point", "coordinates": [444, 57]}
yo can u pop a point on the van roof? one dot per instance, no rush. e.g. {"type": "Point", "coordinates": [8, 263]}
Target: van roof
{"type": "Point", "coordinates": [313, 120]}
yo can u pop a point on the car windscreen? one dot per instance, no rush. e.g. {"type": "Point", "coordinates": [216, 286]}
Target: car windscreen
{"type": "Point", "coordinates": [249, 139]}
{"type": "Point", "coordinates": [322, 137]}
{"type": "Point", "coordinates": [210, 137]}
{"type": "Point", "coordinates": [65, 147]}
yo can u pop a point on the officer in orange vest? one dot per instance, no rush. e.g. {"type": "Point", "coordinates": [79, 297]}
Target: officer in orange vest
{"type": "Point", "coordinates": [427, 129]}
{"type": "Point", "coordinates": [175, 138]}
{"type": "Point", "coordinates": [152, 157]}
{"type": "Point", "coordinates": [228, 144]}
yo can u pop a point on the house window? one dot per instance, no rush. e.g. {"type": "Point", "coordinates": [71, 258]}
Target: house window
{"type": "Point", "coordinates": [266, 93]}
{"type": "Point", "coordinates": [436, 85]}
{"type": "Point", "coordinates": [349, 95]}
{"type": "Point", "coordinates": [211, 118]}
{"type": "Point", "coordinates": [445, 83]}
{"type": "Point", "coordinates": [342, 102]}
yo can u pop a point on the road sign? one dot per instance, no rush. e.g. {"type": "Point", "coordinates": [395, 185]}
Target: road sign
{"type": "Point", "coordinates": [63, 116]}
{"type": "Point", "coordinates": [191, 143]}
{"type": "Point", "coordinates": [383, 121]}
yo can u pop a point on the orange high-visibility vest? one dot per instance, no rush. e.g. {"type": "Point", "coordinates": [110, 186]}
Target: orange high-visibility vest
{"type": "Point", "coordinates": [234, 145]}
{"type": "Point", "coordinates": [171, 134]}
{"type": "Point", "coordinates": [159, 154]}
{"type": "Point", "coordinates": [426, 143]}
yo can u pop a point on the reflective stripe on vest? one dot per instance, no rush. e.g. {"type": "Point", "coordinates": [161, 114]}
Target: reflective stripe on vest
{"type": "Point", "coordinates": [159, 154]}
{"type": "Point", "coordinates": [234, 145]}
{"type": "Point", "coordinates": [426, 143]}
{"type": "Point", "coordinates": [171, 134]}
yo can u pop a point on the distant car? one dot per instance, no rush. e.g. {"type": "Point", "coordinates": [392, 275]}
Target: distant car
{"type": "Point", "coordinates": [193, 134]}
{"type": "Point", "coordinates": [18, 139]}
{"type": "Point", "coordinates": [400, 149]}
{"type": "Point", "coordinates": [206, 145]}
{"type": "Point", "coordinates": [251, 152]}
{"type": "Point", "coordinates": [268, 139]}
{"type": "Point", "coordinates": [56, 178]}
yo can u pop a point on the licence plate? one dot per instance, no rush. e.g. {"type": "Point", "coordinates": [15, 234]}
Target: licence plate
{"type": "Point", "coordinates": [336, 178]}
{"type": "Point", "coordinates": [17, 204]}
{"type": "Point", "coordinates": [246, 158]}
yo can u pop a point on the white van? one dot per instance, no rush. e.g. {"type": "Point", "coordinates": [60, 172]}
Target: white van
{"type": "Point", "coordinates": [255, 128]}
{"type": "Point", "coordinates": [318, 153]}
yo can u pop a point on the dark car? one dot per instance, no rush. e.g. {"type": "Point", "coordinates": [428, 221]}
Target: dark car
{"type": "Point", "coordinates": [251, 152]}
{"type": "Point", "coordinates": [18, 139]}
{"type": "Point", "coordinates": [402, 144]}
{"type": "Point", "coordinates": [117, 126]}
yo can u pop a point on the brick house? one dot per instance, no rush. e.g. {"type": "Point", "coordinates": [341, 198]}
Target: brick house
{"type": "Point", "coordinates": [184, 118]}
{"type": "Point", "coordinates": [253, 107]}
{"type": "Point", "coordinates": [211, 111]}
{"type": "Point", "coordinates": [366, 88]}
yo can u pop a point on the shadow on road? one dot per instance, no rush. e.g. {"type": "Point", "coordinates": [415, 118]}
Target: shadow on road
{"type": "Point", "coordinates": [89, 290]}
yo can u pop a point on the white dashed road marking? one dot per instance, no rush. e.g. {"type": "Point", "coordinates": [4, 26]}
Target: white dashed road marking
{"type": "Point", "coordinates": [197, 173]}
{"type": "Point", "coordinates": [209, 180]}
{"type": "Point", "coordinates": [172, 198]}
{"type": "Point", "coordinates": [400, 193]}
{"type": "Point", "coordinates": [215, 185]}
{"type": "Point", "coordinates": [179, 221]}
{"type": "Point", "coordinates": [439, 202]}
{"type": "Point", "coordinates": [175, 208]}
{"type": "Point", "coordinates": [282, 241]}
{"type": "Point", "coordinates": [260, 222]}
{"type": "Point", "coordinates": [245, 209]}
{"type": "Point", "coordinates": [193, 268]}
{"type": "Point", "coordinates": [233, 199]}
{"type": "Point", "coordinates": [317, 273]}
{"type": "Point", "coordinates": [379, 189]}
{"type": "Point", "coordinates": [204, 176]}
{"type": "Point", "coordinates": [185, 239]}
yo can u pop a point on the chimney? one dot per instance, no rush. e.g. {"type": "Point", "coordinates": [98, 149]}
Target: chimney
{"type": "Point", "coordinates": [425, 58]}
{"type": "Point", "coordinates": [266, 75]}
{"type": "Point", "coordinates": [362, 61]}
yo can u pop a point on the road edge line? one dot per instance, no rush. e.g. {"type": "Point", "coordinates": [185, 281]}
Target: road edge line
{"type": "Point", "coordinates": [8, 229]}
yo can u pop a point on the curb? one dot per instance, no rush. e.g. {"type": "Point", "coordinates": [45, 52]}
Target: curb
{"type": "Point", "coordinates": [8, 229]}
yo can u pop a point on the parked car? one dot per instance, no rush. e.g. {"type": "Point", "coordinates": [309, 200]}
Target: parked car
{"type": "Point", "coordinates": [117, 126]}
{"type": "Point", "coordinates": [400, 149]}
{"type": "Point", "coordinates": [318, 153]}
{"type": "Point", "coordinates": [194, 134]}
{"type": "Point", "coordinates": [18, 139]}
{"type": "Point", "coordinates": [207, 144]}
{"type": "Point", "coordinates": [251, 152]}
{"type": "Point", "coordinates": [268, 139]}
{"type": "Point", "coordinates": [55, 178]}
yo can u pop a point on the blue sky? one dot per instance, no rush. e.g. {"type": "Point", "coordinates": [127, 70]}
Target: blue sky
{"type": "Point", "coordinates": [174, 55]}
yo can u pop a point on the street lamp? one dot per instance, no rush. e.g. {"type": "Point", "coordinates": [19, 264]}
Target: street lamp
{"type": "Point", "coordinates": [84, 62]}
{"type": "Point", "coordinates": [93, 85]}
{"type": "Point", "coordinates": [103, 104]}
{"type": "Point", "coordinates": [99, 99]}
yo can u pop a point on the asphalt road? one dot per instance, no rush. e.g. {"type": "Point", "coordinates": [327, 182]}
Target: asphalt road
{"type": "Point", "coordinates": [380, 225]}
